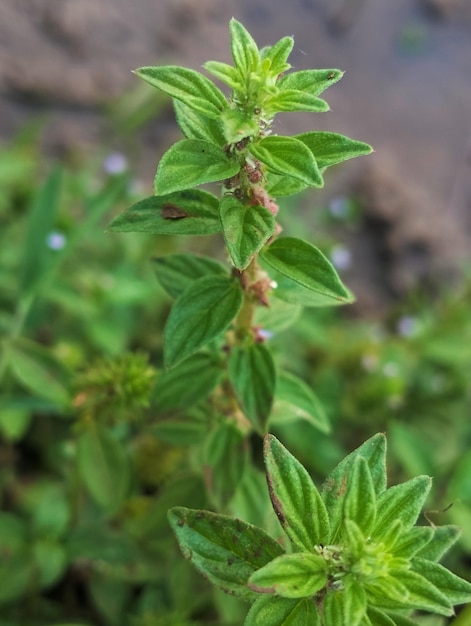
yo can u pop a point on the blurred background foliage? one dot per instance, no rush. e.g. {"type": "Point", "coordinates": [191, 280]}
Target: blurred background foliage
{"type": "Point", "coordinates": [93, 447]}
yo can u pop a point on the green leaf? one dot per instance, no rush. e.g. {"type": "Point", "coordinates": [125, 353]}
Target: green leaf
{"type": "Point", "coordinates": [334, 608]}
{"type": "Point", "coordinates": [288, 156]}
{"type": "Point", "coordinates": [37, 372]}
{"type": "Point", "coordinates": [187, 430]}
{"type": "Point", "coordinates": [455, 589]}
{"type": "Point", "coordinates": [203, 311]}
{"type": "Point", "coordinates": [295, 400]}
{"type": "Point", "coordinates": [278, 185]}
{"type": "Point", "coordinates": [422, 593]}
{"type": "Point", "coordinates": [313, 82]}
{"type": "Point", "coordinates": [332, 148]}
{"type": "Point", "coordinates": [273, 611]}
{"type": "Point", "coordinates": [40, 224]}
{"type": "Point", "coordinates": [17, 573]}
{"type": "Point", "coordinates": [237, 125]}
{"type": "Point", "coordinates": [296, 575]}
{"type": "Point", "coordinates": [295, 499]}
{"type": "Point", "coordinates": [355, 603]}
{"type": "Point", "coordinates": [192, 88]}
{"type": "Point", "coordinates": [188, 212]}
{"type": "Point", "coordinates": [103, 467]}
{"type": "Point", "coordinates": [403, 501]}
{"type": "Point", "coordinates": [192, 162]}
{"type": "Point", "coordinates": [303, 263]}
{"type": "Point", "coordinates": [176, 272]}
{"type": "Point", "coordinates": [225, 550]}
{"type": "Point", "coordinates": [379, 618]}
{"type": "Point", "coordinates": [292, 292]}
{"type": "Point", "coordinates": [275, 57]}
{"type": "Point", "coordinates": [412, 541]}
{"type": "Point", "coordinates": [245, 228]}
{"type": "Point", "coordinates": [244, 49]}
{"type": "Point", "coordinates": [51, 560]}
{"type": "Point", "coordinates": [252, 374]}
{"type": "Point", "coordinates": [277, 317]}
{"type": "Point", "coordinates": [333, 489]}
{"type": "Point", "coordinates": [226, 74]}
{"type": "Point", "coordinates": [188, 383]}
{"type": "Point", "coordinates": [444, 537]}
{"type": "Point", "coordinates": [225, 460]}
{"type": "Point", "coordinates": [292, 100]}
{"type": "Point", "coordinates": [359, 504]}
{"type": "Point", "coordinates": [194, 125]}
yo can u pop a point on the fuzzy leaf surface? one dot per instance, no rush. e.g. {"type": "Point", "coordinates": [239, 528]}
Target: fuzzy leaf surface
{"type": "Point", "coordinates": [444, 537]}
{"type": "Point", "coordinates": [295, 399]}
{"type": "Point", "coordinates": [187, 383]}
{"type": "Point", "coordinates": [288, 156]}
{"type": "Point", "coordinates": [403, 501]}
{"type": "Point", "coordinates": [275, 58]}
{"type": "Point", "coordinates": [195, 125]}
{"type": "Point", "coordinates": [412, 541]}
{"type": "Point", "coordinates": [244, 49]}
{"type": "Point", "coordinates": [332, 148]}
{"type": "Point", "coordinates": [303, 263]}
{"type": "Point", "coordinates": [189, 86]}
{"type": "Point", "coordinates": [225, 73]}
{"type": "Point", "coordinates": [225, 550]}
{"type": "Point", "coordinates": [293, 100]}
{"type": "Point", "coordinates": [455, 589]}
{"type": "Point", "coordinates": [252, 374]}
{"type": "Point", "coordinates": [313, 82]}
{"type": "Point", "coordinates": [238, 125]}
{"type": "Point", "coordinates": [359, 504]}
{"type": "Point", "coordinates": [192, 162]}
{"type": "Point", "coordinates": [246, 229]}
{"type": "Point", "coordinates": [295, 499]}
{"type": "Point", "coordinates": [273, 611]}
{"type": "Point", "coordinates": [203, 311]}
{"type": "Point", "coordinates": [176, 272]}
{"type": "Point", "coordinates": [334, 488]}
{"type": "Point", "coordinates": [422, 593]}
{"type": "Point", "coordinates": [188, 212]}
{"type": "Point", "coordinates": [279, 185]}
{"type": "Point", "coordinates": [297, 575]}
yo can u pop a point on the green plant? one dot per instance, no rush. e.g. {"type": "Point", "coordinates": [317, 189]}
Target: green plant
{"type": "Point", "coordinates": [354, 554]}
{"type": "Point", "coordinates": [351, 553]}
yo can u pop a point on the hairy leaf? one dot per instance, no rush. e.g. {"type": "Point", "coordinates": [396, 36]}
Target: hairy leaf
{"type": "Point", "coordinates": [313, 82]}
{"type": "Point", "coordinates": [275, 57]}
{"type": "Point", "coordinates": [244, 49]}
{"type": "Point", "coordinates": [225, 73]}
{"type": "Point", "coordinates": [188, 212]}
{"type": "Point", "coordinates": [225, 550]}
{"type": "Point", "coordinates": [195, 125]}
{"type": "Point", "coordinates": [274, 611]}
{"type": "Point", "coordinates": [444, 537]}
{"type": "Point", "coordinates": [192, 162]}
{"type": "Point", "coordinates": [455, 589]}
{"type": "Point", "coordinates": [359, 504]}
{"type": "Point", "coordinates": [203, 311]}
{"type": "Point", "coordinates": [176, 272]}
{"type": "Point", "coordinates": [189, 86]}
{"type": "Point", "coordinates": [296, 501]}
{"type": "Point", "coordinates": [332, 148]}
{"type": "Point", "coordinates": [245, 228]}
{"type": "Point", "coordinates": [293, 100]}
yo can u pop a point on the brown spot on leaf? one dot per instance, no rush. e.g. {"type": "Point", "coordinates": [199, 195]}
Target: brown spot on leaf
{"type": "Point", "coordinates": [276, 502]}
{"type": "Point", "coordinates": [172, 212]}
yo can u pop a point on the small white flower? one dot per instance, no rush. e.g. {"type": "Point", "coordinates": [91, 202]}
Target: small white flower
{"type": "Point", "coordinates": [115, 163]}
{"type": "Point", "coordinates": [339, 206]}
{"type": "Point", "coordinates": [341, 257]}
{"type": "Point", "coordinates": [55, 241]}
{"type": "Point", "coordinates": [407, 326]}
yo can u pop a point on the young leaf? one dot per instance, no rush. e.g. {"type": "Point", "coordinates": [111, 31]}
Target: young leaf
{"type": "Point", "coordinates": [359, 504]}
{"type": "Point", "coordinates": [176, 272]}
{"type": "Point", "coordinates": [403, 501]}
{"type": "Point", "coordinates": [188, 383]}
{"type": "Point", "coordinates": [192, 88]}
{"type": "Point", "coordinates": [252, 374]}
{"type": "Point", "coordinates": [103, 466]}
{"type": "Point", "coordinates": [292, 100]}
{"type": "Point", "coordinates": [298, 575]}
{"type": "Point", "coordinates": [226, 74]}
{"type": "Point", "coordinates": [277, 56]}
{"type": "Point", "coordinates": [288, 156]}
{"type": "Point", "coordinates": [225, 460]}
{"type": "Point", "coordinates": [412, 541]}
{"type": "Point", "coordinates": [237, 125]}
{"type": "Point", "coordinates": [245, 228]}
{"type": "Point", "coordinates": [189, 212]}
{"type": "Point", "coordinates": [295, 499]}
{"type": "Point", "coordinates": [294, 399]}
{"type": "Point", "coordinates": [225, 550]}
{"type": "Point", "coordinates": [333, 489]}
{"type": "Point", "coordinates": [305, 264]}
{"type": "Point", "coordinates": [244, 49]}
{"type": "Point", "coordinates": [455, 589]}
{"type": "Point", "coordinates": [332, 148]}
{"type": "Point", "coordinates": [313, 82]}
{"type": "Point", "coordinates": [195, 125]}
{"type": "Point", "coordinates": [192, 162]}
{"type": "Point", "coordinates": [200, 314]}
{"type": "Point", "coordinates": [274, 611]}
{"type": "Point", "coordinates": [444, 537]}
